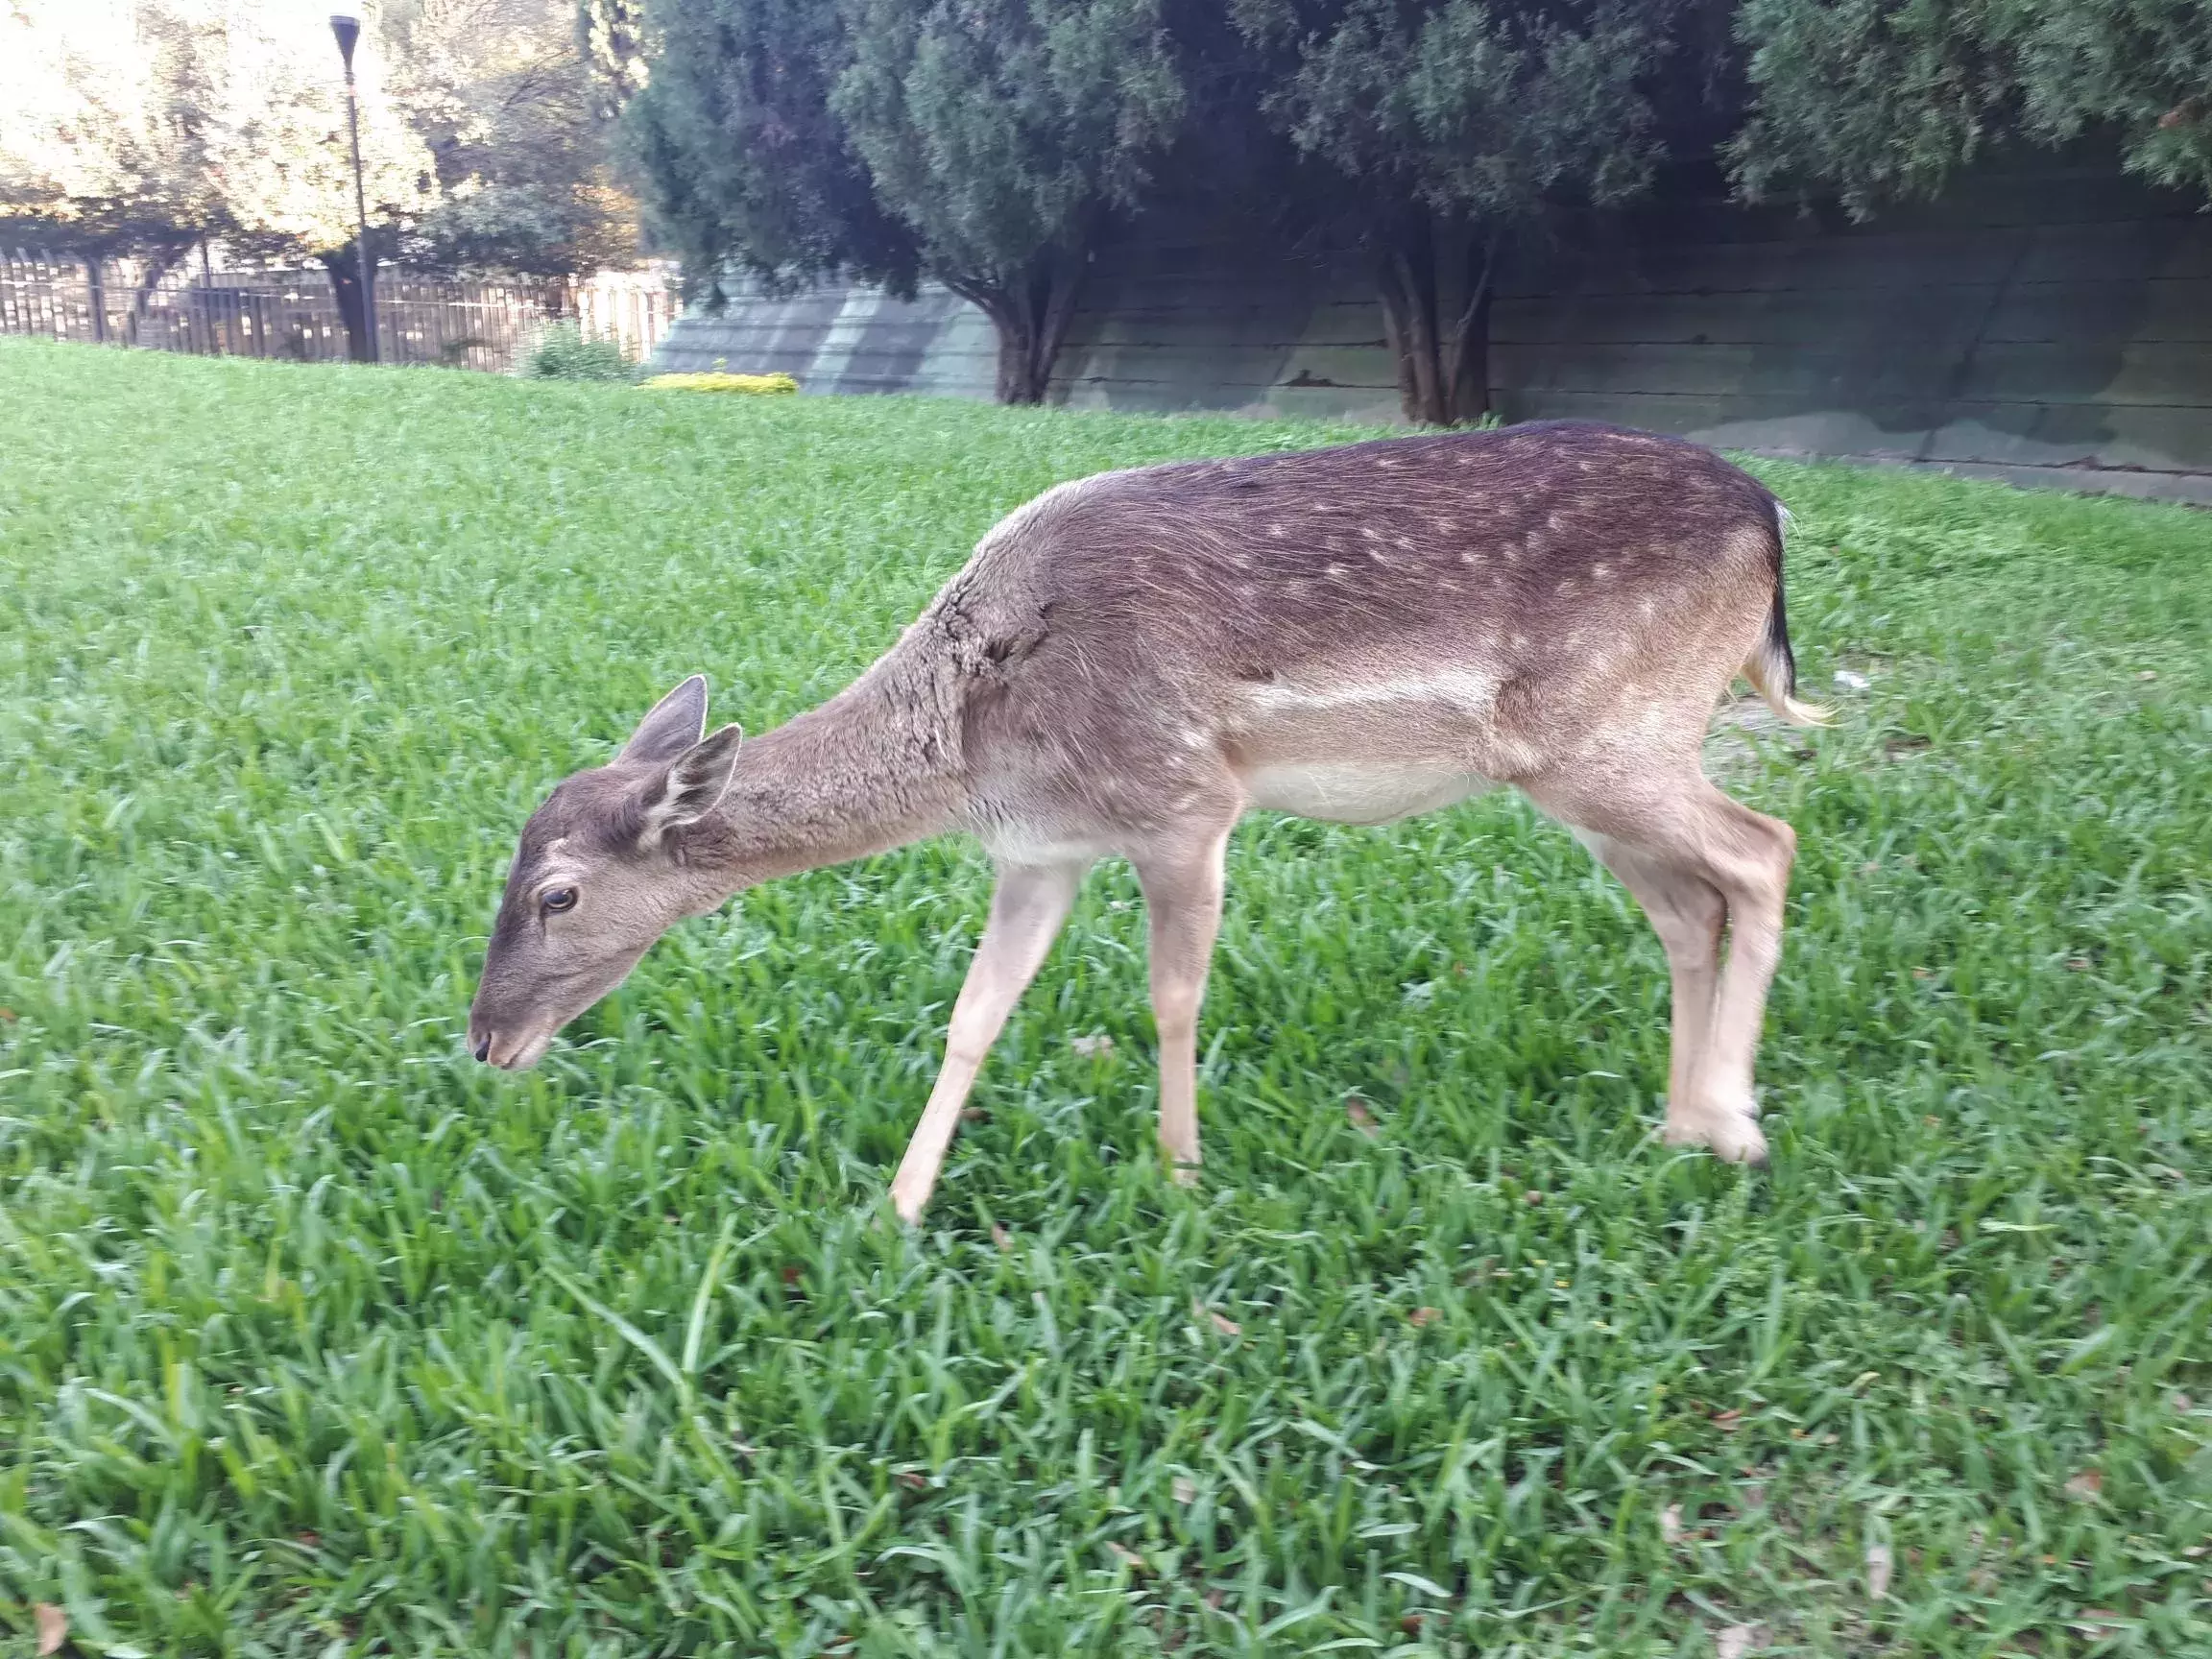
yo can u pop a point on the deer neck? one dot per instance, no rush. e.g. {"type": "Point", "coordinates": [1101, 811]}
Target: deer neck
{"type": "Point", "coordinates": [873, 768]}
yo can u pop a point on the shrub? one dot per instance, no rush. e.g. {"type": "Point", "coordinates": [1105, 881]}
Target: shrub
{"type": "Point", "coordinates": [757, 385]}
{"type": "Point", "coordinates": [564, 353]}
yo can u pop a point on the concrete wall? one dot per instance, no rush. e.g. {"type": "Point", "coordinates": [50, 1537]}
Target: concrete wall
{"type": "Point", "coordinates": [2048, 325]}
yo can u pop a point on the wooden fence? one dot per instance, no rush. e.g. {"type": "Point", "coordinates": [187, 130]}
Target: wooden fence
{"type": "Point", "coordinates": [292, 314]}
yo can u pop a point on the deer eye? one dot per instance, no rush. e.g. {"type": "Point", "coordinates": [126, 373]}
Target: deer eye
{"type": "Point", "coordinates": [559, 900]}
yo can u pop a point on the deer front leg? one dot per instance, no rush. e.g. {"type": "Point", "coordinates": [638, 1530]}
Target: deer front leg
{"type": "Point", "coordinates": [1687, 914]}
{"type": "Point", "coordinates": [1027, 908]}
{"type": "Point", "coordinates": [1183, 897]}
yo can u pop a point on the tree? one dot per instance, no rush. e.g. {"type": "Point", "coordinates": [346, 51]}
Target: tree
{"type": "Point", "coordinates": [1447, 128]}
{"type": "Point", "coordinates": [287, 172]}
{"type": "Point", "coordinates": [617, 44]}
{"type": "Point", "coordinates": [745, 165]}
{"type": "Point", "coordinates": [1889, 98]}
{"type": "Point", "coordinates": [984, 143]}
{"type": "Point", "coordinates": [199, 123]}
{"type": "Point", "coordinates": [503, 96]}
{"type": "Point", "coordinates": [1005, 133]}
{"type": "Point", "coordinates": [481, 142]}
{"type": "Point", "coordinates": [116, 159]}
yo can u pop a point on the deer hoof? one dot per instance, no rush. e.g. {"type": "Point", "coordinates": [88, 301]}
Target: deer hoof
{"type": "Point", "coordinates": [908, 1209]}
{"type": "Point", "coordinates": [1732, 1136]}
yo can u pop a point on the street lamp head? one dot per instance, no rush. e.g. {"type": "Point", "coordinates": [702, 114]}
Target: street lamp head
{"type": "Point", "coordinates": [348, 29]}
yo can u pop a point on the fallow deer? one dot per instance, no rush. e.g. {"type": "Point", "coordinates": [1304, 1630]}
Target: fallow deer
{"type": "Point", "coordinates": [1131, 663]}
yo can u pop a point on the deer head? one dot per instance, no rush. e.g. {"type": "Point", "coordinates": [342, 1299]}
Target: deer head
{"type": "Point", "coordinates": [599, 876]}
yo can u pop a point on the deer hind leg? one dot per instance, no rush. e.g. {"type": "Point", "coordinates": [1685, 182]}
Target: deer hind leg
{"type": "Point", "coordinates": [1674, 833]}
{"type": "Point", "coordinates": [1183, 899]}
{"type": "Point", "coordinates": [1027, 909]}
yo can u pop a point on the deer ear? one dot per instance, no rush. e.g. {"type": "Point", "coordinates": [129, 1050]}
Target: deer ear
{"type": "Point", "coordinates": [677, 721]}
{"type": "Point", "coordinates": [693, 786]}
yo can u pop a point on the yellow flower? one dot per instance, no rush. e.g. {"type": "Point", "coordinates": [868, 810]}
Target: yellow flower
{"type": "Point", "coordinates": [757, 385]}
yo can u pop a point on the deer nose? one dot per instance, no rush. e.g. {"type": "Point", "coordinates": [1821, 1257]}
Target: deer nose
{"type": "Point", "coordinates": [484, 1050]}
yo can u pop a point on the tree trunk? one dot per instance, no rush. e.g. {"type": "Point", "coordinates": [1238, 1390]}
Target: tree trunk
{"type": "Point", "coordinates": [1030, 310]}
{"type": "Point", "coordinates": [1435, 297]}
{"type": "Point", "coordinates": [343, 265]}
{"type": "Point", "coordinates": [96, 292]}
{"type": "Point", "coordinates": [149, 275]}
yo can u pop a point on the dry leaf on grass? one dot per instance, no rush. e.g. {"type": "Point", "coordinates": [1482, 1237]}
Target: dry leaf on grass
{"type": "Point", "coordinates": [1728, 1421]}
{"type": "Point", "coordinates": [1185, 1490]}
{"type": "Point", "coordinates": [1223, 1323]}
{"type": "Point", "coordinates": [2085, 1487]}
{"type": "Point", "coordinates": [1127, 1556]}
{"type": "Point", "coordinates": [1735, 1640]}
{"type": "Point", "coordinates": [53, 1627]}
{"type": "Point", "coordinates": [1362, 1119]}
{"type": "Point", "coordinates": [1670, 1524]}
{"type": "Point", "coordinates": [1421, 1317]}
{"type": "Point", "coordinates": [1878, 1567]}
{"type": "Point", "coordinates": [1097, 1046]}
{"type": "Point", "coordinates": [1000, 1237]}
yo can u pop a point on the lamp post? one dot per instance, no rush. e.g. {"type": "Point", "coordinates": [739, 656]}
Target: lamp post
{"type": "Point", "coordinates": [348, 29]}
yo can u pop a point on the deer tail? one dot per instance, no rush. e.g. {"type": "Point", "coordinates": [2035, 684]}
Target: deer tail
{"type": "Point", "coordinates": [1772, 669]}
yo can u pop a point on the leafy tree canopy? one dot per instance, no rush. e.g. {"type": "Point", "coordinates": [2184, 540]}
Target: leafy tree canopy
{"type": "Point", "coordinates": [744, 163]}
{"type": "Point", "coordinates": [503, 95]}
{"type": "Point", "coordinates": [1448, 127]}
{"type": "Point", "coordinates": [1003, 132]}
{"type": "Point", "coordinates": [1885, 98]}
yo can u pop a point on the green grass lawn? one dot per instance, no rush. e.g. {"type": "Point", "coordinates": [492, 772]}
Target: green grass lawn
{"type": "Point", "coordinates": [315, 1337]}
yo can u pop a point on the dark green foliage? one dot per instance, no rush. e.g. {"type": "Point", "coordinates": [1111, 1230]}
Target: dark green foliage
{"type": "Point", "coordinates": [1005, 132]}
{"type": "Point", "coordinates": [983, 142]}
{"type": "Point", "coordinates": [744, 165]}
{"type": "Point", "coordinates": [564, 353]}
{"type": "Point", "coordinates": [1449, 127]}
{"type": "Point", "coordinates": [1878, 98]}
{"type": "Point", "coordinates": [2142, 68]}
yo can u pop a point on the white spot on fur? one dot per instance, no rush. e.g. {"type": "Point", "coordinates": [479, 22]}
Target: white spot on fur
{"type": "Point", "coordinates": [1455, 687]}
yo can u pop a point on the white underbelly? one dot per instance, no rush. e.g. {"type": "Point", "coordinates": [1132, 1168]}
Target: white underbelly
{"type": "Point", "coordinates": [1359, 792]}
